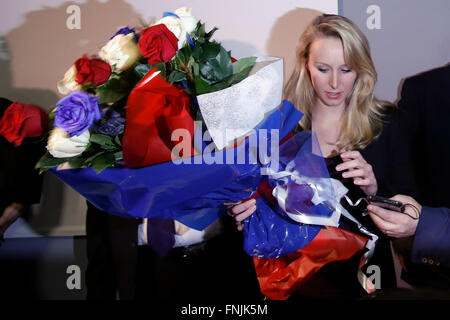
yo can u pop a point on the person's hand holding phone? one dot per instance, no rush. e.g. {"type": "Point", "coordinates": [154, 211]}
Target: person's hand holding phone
{"type": "Point", "coordinates": [386, 203]}
{"type": "Point", "coordinates": [395, 223]}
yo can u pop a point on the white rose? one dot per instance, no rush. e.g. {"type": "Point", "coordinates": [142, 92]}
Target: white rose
{"type": "Point", "coordinates": [187, 20]}
{"type": "Point", "coordinates": [186, 23]}
{"type": "Point", "coordinates": [121, 52]}
{"type": "Point", "coordinates": [68, 83]}
{"type": "Point", "coordinates": [60, 145]}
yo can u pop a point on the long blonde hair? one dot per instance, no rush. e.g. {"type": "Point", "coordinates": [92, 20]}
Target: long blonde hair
{"type": "Point", "coordinates": [362, 121]}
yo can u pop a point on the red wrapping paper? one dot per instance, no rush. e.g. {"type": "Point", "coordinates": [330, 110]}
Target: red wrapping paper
{"type": "Point", "coordinates": [280, 277]}
{"type": "Point", "coordinates": [155, 108]}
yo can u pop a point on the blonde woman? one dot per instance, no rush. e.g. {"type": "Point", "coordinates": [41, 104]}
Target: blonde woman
{"type": "Point", "coordinates": [332, 84]}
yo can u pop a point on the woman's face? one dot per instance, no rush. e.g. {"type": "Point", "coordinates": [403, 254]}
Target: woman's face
{"type": "Point", "coordinates": [331, 78]}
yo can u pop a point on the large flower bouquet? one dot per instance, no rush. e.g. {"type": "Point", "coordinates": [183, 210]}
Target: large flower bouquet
{"type": "Point", "coordinates": [108, 93]}
{"type": "Point", "coordinates": [128, 130]}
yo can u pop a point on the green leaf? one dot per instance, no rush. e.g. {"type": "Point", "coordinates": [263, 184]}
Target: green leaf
{"type": "Point", "coordinates": [118, 156]}
{"type": "Point", "coordinates": [51, 115]}
{"type": "Point", "coordinates": [217, 69]}
{"type": "Point", "coordinates": [243, 64]}
{"type": "Point", "coordinates": [181, 56]}
{"type": "Point", "coordinates": [111, 148]}
{"type": "Point", "coordinates": [196, 68]}
{"type": "Point", "coordinates": [176, 76]}
{"type": "Point", "coordinates": [103, 161]}
{"type": "Point", "coordinates": [200, 41]}
{"type": "Point", "coordinates": [161, 66]}
{"type": "Point", "coordinates": [199, 30]}
{"type": "Point", "coordinates": [91, 158]}
{"type": "Point", "coordinates": [117, 141]}
{"type": "Point", "coordinates": [113, 90]}
{"type": "Point", "coordinates": [210, 51]}
{"type": "Point", "coordinates": [191, 61]}
{"type": "Point", "coordinates": [105, 142]}
{"type": "Point", "coordinates": [76, 163]}
{"type": "Point", "coordinates": [202, 87]}
{"type": "Point", "coordinates": [210, 34]}
{"type": "Point", "coordinates": [241, 70]}
{"type": "Point", "coordinates": [224, 60]}
{"type": "Point", "coordinates": [197, 53]}
{"type": "Point", "coordinates": [47, 161]}
{"type": "Point", "coordinates": [220, 86]}
{"type": "Point", "coordinates": [236, 78]}
{"type": "Point", "coordinates": [101, 139]}
{"type": "Point", "coordinates": [142, 69]}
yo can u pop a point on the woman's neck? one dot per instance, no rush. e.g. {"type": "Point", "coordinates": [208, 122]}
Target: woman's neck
{"type": "Point", "coordinates": [326, 124]}
{"type": "Point", "coordinates": [324, 113]}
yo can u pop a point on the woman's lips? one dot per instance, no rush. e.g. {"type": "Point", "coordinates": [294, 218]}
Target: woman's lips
{"type": "Point", "coordinates": [333, 95]}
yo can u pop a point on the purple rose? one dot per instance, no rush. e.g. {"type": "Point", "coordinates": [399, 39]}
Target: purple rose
{"type": "Point", "coordinates": [114, 126]}
{"type": "Point", "coordinates": [76, 113]}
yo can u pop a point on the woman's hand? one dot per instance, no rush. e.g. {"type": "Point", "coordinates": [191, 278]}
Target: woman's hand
{"type": "Point", "coordinates": [356, 167]}
{"type": "Point", "coordinates": [241, 210]}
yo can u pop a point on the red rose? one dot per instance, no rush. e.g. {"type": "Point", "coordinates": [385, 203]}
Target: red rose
{"type": "Point", "coordinates": [94, 71]}
{"type": "Point", "coordinates": [157, 43]}
{"type": "Point", "coordinates": [22, 121]}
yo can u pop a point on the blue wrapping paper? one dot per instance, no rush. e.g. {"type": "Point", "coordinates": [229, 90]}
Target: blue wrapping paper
{"type": "Point", "coordinates": [178, 191]}
{"type": "Point", "coordinates": [194, 193]}
{"type": "Point", "coordinates": [269, 232]}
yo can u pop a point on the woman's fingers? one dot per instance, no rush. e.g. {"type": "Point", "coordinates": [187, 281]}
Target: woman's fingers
{"type": "Point", "coordinates": [350, 164]}
{"type": "Point", "coordinates": [241, 207]}
{"type": "Point", "coordinates": [242, 216]}
{"type": "Point", "coordinates": [364, 182]}
{"type": "Point", "coordinates": [363, 176]}
{"type": "Point", "coordinates": [357, 173]}
{"type": "Point", "coordinates": [351, 155]}
{"type": "Point", "coordinates": [242, 211]}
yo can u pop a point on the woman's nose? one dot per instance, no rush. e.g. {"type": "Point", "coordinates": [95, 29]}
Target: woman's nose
{"type": "Point", "coordinates": [334, 81]}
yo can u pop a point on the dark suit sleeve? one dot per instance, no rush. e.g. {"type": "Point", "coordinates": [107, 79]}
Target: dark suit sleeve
{"type": "Point", "coordinates": [432, 238]}
{"type": "Point", "coordinates": [412, 126]}
{"type": "Point", "coordinates": [390, 157]}
{"type": "Point", "coordinates": [402, 141]}
{"type": "Point", "coordinates": [412, 105]}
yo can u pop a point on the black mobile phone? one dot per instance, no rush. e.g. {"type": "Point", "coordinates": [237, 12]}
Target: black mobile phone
{"type": "Point", "coordinates": [386, 203]}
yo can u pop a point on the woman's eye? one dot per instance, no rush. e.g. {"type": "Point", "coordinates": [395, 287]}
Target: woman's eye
{"type": "Point", "coordinates": [346, 70]}
{"type": "Point", "coordinates": [322, 69]}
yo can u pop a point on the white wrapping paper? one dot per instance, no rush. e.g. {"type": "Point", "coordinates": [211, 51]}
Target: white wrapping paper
{"type": "Point", "coordinates": [232, 113]}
